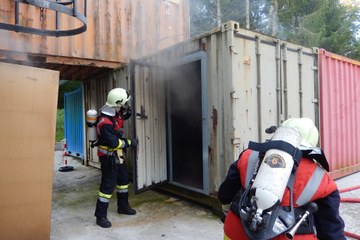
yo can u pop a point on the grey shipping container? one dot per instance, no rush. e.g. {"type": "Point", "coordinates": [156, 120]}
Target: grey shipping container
{"type": "Point", "coordinates": [200, 102]}
{"type": "Point", "coordinates": [197, 104]}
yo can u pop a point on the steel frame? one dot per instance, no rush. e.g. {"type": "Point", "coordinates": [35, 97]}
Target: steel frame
{"type": "Point", "coordinates": [59, 7]}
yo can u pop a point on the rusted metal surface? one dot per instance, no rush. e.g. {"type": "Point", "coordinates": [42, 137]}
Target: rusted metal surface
{"type": "Point", "coordinates": [340, 112]}
{"type": "Point", "coordinates": [117, 30]}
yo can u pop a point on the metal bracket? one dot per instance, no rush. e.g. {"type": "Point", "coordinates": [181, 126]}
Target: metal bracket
{"type": "Point", "coordinates": [59, 7]}
{"type": "Point", "coordinates": [142, 115]}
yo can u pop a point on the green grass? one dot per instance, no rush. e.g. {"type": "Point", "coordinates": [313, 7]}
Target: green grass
{"type": "Point", "coordinates": [59, 125]}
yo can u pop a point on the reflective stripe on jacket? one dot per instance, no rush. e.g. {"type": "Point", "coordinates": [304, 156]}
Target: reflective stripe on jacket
{"type": "Point", "coordinates": [107, 128]}
{"type": "Point", "coordinates": [311, 183]}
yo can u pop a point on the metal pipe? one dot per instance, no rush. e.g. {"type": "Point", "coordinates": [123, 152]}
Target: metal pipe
{"type": "Point", "coordinates": [285, 86]}
{"type": "Point", "coordinates": [56, 19]}
{"type": "Point", "coordinates": [300, 82]}
{"type": "Point", "coordinates": [278, 82]}
{"type": "Point", "coordinates": [16, 13]}
{"type": "Point", "coordinates": [312, 207]}
{"type": "Point", "coordinates": [74, 8]}
{"type": "Point", "coordinates": [258, 86]}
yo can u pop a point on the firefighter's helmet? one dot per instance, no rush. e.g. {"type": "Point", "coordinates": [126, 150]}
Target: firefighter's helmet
{"type": "Point", "coordinates": [117, 97]}
{"type": "Point", "coordinates": [306, 127]}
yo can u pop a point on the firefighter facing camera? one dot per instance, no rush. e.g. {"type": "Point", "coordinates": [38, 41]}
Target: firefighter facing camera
{"type": "Point", "coordinates": [280, 189]}
{"type": "Point", "coordinates": [107, 133]}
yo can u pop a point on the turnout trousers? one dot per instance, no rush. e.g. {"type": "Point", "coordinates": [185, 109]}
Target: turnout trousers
{"type": "Point", "coordinates": [114, 176]}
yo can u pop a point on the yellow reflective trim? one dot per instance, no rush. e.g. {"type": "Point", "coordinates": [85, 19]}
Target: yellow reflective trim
{"type": "Point", "coordinates": [108, 196]}
{"type": "Point", "coordinates": [226, 237]}
{"type": "Point", "coordinates": [119, 146]}
{"type": "Point", "coordinates": [121, 143]}
{"type": "Point", "coordinates": [107, 148]}
{"type": "Point", "coordinates": [120, 152]}
{"type": "Point", "coordinates": [122, 186]}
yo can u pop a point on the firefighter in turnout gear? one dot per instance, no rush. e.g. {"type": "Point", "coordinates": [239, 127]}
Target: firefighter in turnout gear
{"type": "Point", "coordinates": [111, 143]}
{"type": "Point", "coordinates": [308, 185]}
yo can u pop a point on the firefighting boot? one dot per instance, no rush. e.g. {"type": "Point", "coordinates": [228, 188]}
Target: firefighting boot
{"type": "Point", "coordinates": [123, 204]}
{"type": "Point", "coordinates": [101, 214]}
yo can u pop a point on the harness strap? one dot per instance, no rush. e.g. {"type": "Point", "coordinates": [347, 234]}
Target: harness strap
{"type": "Point", "coordinates": [105, 151]}
{"type": "Point", "coordinates": [280, 145]}
{"type": "Point", "coordinates": [311, 187]}
{"type": "Point", "coordinates": [250, 169]}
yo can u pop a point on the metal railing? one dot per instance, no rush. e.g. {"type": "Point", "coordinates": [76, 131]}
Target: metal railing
{"type": "Point", "coordinates": [68, 7]}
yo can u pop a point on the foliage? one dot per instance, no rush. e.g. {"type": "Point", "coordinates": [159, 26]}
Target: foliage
{"type": "Point", "coordinates": [202, 16]}
{"type": "Point", "coordinates": [312, 23]}
{"type": "Point", "coordinates": [59, 125]}
{"type": "Point", "coordinates": [66, 87]}
{"type": "Point", "coordinates": [322, 23]}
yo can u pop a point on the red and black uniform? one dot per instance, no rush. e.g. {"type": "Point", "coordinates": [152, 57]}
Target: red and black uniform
{"type": "Point", "coordinates": [312, 183]}
{"type": "Point", "coordinates": [113, 169]}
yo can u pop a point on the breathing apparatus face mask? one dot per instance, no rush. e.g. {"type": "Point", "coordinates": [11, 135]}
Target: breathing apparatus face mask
{"type": "Point", "coordinates": [124, 111]}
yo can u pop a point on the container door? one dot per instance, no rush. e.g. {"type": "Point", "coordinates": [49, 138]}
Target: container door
{"type": "Point", "coordinates": [171, 123]}
{"type": "Point", "coordinates": [148, 101]}
{"type": "Point", "coordinates": [187, 124]}
{"type": "Point", "coordinates": [74, 123]}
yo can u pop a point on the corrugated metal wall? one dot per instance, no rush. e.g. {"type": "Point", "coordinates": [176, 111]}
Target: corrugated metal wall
{"type": "Point", "coordinates": [116, 29]}
{"type": "Point", "coordinates": [74, 123]}
{"type": "Point", "coordinates": [340, 112]}
{"type": "Point", "coordinates": [95, 93]}
{"type": "Point", "coordinates": [254, 81]}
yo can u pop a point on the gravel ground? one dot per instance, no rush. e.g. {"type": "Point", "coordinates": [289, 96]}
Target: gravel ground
{"type": "Point", "coordinates": [350, 212]}
{"type": "Point", "coordinates": [159, 217]}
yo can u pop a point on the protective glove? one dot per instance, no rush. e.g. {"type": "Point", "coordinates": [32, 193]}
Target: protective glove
{"type": "Point", "coordinates": [225, 210]}
{"type": "Point", "coordinates": [125, 112]}
{"type": "Point", "coordinates": [130, 143]}
{"type": "Point", "coordinates": [120, 133]}
{"type": "Point", "coordinates": [134, 142]}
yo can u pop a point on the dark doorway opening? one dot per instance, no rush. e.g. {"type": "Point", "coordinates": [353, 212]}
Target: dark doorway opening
{"type": "Point", "coordinates": [185, 125]}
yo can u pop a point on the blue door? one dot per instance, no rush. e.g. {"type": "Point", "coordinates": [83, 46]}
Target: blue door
{"type": "Point", "coordinates": [74, 123]}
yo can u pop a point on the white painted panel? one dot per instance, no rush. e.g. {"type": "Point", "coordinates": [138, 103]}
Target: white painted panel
{"type": "Point", "coordinates": [151, 165]}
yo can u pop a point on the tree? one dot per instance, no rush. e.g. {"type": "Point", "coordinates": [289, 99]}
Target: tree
{"type": "Point", "coordinates": [204, 14]}
{"type": "Point", "coordinates": [320, 23]}
{"type": "Point", "coordinates": [311, 23]}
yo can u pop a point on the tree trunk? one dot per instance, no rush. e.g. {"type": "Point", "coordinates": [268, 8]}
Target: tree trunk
{"type": "Point", "coordinates": [275, 17]}
{"type": "Point", "coordinates": [247, 14]}
{"type": "Point", "coordinates": [218, 13]}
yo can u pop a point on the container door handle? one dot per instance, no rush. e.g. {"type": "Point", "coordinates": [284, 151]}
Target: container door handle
{"type": "Point", "coordinates": [141, 115]}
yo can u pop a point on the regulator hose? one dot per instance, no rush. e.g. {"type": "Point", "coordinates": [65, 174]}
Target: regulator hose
{"type": "Point", "coordinates": [350, 200]}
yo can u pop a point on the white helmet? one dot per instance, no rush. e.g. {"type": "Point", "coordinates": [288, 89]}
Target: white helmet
{"type": "Point", "coordinates": [117, 97]}
{"type": "Point", "coordinates": [306, 127]}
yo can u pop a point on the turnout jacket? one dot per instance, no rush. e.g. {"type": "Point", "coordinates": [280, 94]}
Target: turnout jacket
{"type": "Point", "coordinates": [110, 131]}
{"type": "Point", "coordinates": [326, 220]}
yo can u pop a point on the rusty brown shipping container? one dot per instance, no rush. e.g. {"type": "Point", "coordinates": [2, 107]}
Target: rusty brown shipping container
{"type": "Point", "coordinates": [117, 30]}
